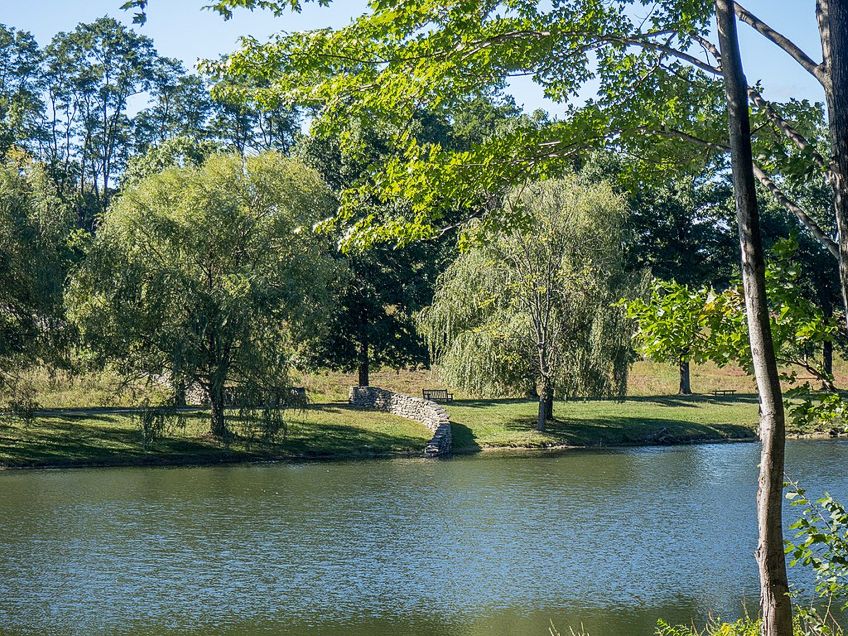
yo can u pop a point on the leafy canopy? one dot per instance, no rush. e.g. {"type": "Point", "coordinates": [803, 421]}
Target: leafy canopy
{"type": "Point", "coordinates": [208, 273]}
{"type": "Point", "coordinates": [533, 306]}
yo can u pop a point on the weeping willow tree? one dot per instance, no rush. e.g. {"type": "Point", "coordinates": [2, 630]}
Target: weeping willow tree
{"type": "Point", "coordinates": [533, 308]}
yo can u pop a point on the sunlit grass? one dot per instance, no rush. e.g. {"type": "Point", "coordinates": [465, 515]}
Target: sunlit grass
{"type": "Point", "coordinates": [663, 420]}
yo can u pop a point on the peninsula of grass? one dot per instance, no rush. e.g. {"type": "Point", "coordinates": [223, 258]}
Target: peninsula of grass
{"type": "Point", "coordinates": [482, 424]}
{"type": "Point", "coordinates": [112, 437]}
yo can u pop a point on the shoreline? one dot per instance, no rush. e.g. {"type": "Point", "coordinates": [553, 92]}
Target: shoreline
{"type": "Point", "coordinates": [230, 459]}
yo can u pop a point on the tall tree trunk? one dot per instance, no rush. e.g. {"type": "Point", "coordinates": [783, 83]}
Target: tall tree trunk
{"type": "Point", "coordinates": [364, 363]}
{"type": "Point", "coordinates": [549, 405]}
{"type": "Point", "coordinates": [180, 392]}
{"type": "Point", "coordinates": [216, 399]}
{"type": "Point", "coordinates": [827, 357]}
{"type": "Point", "coordinates": [832, 16]}
{"type": "Point", "coordinates": [685, 383]}
{"type": "Point", "coordinates": [774, 586]}
{"type": "Point", "coordinates": [543, 405]}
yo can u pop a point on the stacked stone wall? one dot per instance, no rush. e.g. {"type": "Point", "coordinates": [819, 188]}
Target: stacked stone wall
{"type": "Point", "coordinates": [429, 413]}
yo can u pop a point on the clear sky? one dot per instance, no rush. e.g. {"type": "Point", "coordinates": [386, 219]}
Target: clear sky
{"type": "Point", "coordinates": [181, 29]}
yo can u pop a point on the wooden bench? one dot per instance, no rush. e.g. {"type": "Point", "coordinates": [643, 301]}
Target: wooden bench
{"type": "Point", "coordinates": [437, 395]}
{"type": "Point", "coordinates": [724, 392]}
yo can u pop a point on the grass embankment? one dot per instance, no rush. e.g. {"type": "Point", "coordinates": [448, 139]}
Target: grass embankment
{"type": "Point", "coordinates": [480, 424]}
{"type": "Point", "coordinates": [68, 432]}
{"type": "Point", "coordinates": [108, 436]}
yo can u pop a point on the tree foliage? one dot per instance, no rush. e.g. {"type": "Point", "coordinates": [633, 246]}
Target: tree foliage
{"type": "Point", "coordinates": [533, 306]}
{"type": "Point", "coordinates": [34, 257]}
{"type": "Point", "coordinates": [210, 274]}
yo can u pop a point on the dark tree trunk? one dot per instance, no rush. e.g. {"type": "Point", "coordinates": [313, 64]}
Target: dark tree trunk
{"type": "Point", "coordinates": [179, 393]}
{"type": "Point", "coordinates": [364, 363]}
{"type": "Point", "coordinates": [549, 406]}
{"type": "Point", "coordinates": [827, 358]}
{"type": "Point", "coordinates": [216, 399]}
{"type": "Point", "coordinates": [774, 586]}
{"type": "Point", "coordinates": [685, 383]}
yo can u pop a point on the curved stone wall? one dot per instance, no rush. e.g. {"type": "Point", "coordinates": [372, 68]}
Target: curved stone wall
{"type": "Point", "coordinates": [429, 413]}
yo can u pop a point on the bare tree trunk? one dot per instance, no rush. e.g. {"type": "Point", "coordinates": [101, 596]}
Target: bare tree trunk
{"type": "Point", "coordinates": [685, 383]}
{"type": "Point", "coordinates": [827, 357]}
{"type": "Point", "coordinates": [549, 405]}
{"type": "Point", "coordinates": [774, 586]}
{"type": "Point", "coordinates": [216, 399]}
{"type": "Point", "coordinates": [832, 16]}
{"type": "Point", "coordinates": [364, 363]}
{"type": "Point", "coordinates": [543, 405]}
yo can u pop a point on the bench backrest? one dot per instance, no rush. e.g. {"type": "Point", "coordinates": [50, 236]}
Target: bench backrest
{"type": "Point", "coordinates": [437, 394]}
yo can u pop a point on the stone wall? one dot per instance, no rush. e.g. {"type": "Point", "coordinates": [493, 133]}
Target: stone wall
{"type": "Point", "coordinates": [429, 413]}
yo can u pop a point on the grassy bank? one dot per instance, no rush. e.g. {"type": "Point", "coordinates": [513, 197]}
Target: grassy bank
{"type": "Point", "coordinates": [480, 424]}
{"type": "Point", "coordinates": [108, 436]}
{"type": "Point", "coordinates": [111, 436]}
{"type": "Point", "coordinates": [69, 432]}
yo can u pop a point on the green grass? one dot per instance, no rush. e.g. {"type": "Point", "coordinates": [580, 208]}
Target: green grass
{"type": "Point", "coordinates": [110, 436]}
{"type": "Point", "coordinates": [73, 433]}
{"type": "Point", "coordinates": [638, 420]}
{"type": "Point", "coordinates": [107, 436]}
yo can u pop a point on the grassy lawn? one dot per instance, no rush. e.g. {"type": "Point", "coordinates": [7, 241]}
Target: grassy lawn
{"type": "Point", "coordinates": [68, 431]}
{"type": "Point", "coordinates": [111, 436]}
{"type": "Point", "coordinates": [639, 420]}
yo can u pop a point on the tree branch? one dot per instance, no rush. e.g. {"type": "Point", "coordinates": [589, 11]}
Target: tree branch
{"type": "Point", "coordinates": [780, 40]}
{"type": "Point", "coordinates": [785, 127]}
{"type": "Point", "coordinates": [767, 182]}
{"type": "Point", "coordinates": [806, 221]}
{"type": "Point", "coordinates": [669, 50]}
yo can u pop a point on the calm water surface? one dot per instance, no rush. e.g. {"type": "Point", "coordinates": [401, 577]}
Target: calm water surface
{"type": "Point", "coordinates": [481, 545]}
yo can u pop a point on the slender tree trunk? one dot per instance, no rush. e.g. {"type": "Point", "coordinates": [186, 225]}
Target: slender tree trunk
{"type": "Point", "coordinates": [827, 357]}
{"type": "Point", "coordinates": [543, 405]}
{"type": "Point", "coordinates": [774, 586]}
{"type": "Point", "coordinates": [364, 363]}
{"type": "Point", "coordinates": [685, 383]}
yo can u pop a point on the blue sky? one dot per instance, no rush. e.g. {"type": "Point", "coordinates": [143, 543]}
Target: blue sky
{"type": "Point", "coordinates": [181, 29]}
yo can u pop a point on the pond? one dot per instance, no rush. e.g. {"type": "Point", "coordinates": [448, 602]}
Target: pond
{"type": "Point", "coordinates": [475, 545]}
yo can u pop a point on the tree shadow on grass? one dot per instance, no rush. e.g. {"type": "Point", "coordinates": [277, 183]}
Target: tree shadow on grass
{"type": "Point", "coordinates": [624, 430]}
{"type": "Point", "coordinates": [68, 440]}
{"type": "Point", "coordinates": [695, 399]}
{"type": "Point", "coordinates": [108, 438]}
{"type": "Point", "coordinates": [322, 440]}
{"type": "Point", "coordinates": [660, 400]}
{"type": "Point", "coordinates": [463, 439]}
{"type": "Point", "coordinates": [483, 403]}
